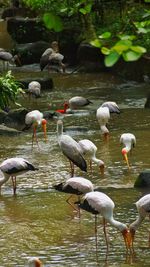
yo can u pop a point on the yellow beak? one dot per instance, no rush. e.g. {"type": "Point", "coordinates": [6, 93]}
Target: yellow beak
{"type": "Point", "coordinates": [45, 131]}
{"type": "Point", "coordinates": [126, 159]}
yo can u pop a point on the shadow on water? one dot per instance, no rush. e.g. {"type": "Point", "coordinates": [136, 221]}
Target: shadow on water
{"type": "Point", "coordinates": [38, 221]}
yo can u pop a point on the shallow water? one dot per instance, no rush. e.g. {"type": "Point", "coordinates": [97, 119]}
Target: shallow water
{"type": "Point", "coordinates": [38, 221]}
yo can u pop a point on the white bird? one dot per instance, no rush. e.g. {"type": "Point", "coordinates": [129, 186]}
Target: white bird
{"type": "Point", "coordinates": [143, 208]}
{"type": "Point", "coordinates": [103, 116]}
{"type": "Point", "coordinates": [34, 262]}
{"type": "Point", "coordinates": [70, 149]}
{"type": "Point", "coordinates": [35, 118]}
{"type": "Point", "coordinates": [113, 107]}
{"type": "Point", "coordinates": [77, 102]}
{"type": "Point", "coordinates": [89, 149]}
{"type": "Point", "coordinates": [75, 185]}
{"type": "Point", "coordinates": [13, 167]}
{"type": "Point", "coordinates": [129, 141]}
{"type": "Point", "coordinates": [34, 89]}
{"type": "Point", "coordinates": [6, 58]}
{"type": "Point", "coordinates": [99, 203]}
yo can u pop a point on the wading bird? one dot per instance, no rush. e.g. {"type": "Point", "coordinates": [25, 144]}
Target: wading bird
{"type": "Point", "coordinates": [13, 167]}
{"type": "Point", "coordinates": [88, 148]}
{"type": "Point", "coordinates": [34, 89]}
{"type": "Point", "coordinates": [6, 58]}
{"type": "Point", "coordinates": [75, 186]}
{"type": "Point", "coordinates": [70, 149]}
{"type": "Point", "coordinates": [77, 102]}
{"type": "Point", "coordinates": [129, 141]}
{"type": "Point", "coordinates": [103, 116]}
{"type": "Point", "coordinates": [35, 118]}
{"type": "Point", "coordinates": [100, 203]}
{"type": "Point", "coordinates": [34, 262]}
{"type": "Point", "coordinates": [143, 208]}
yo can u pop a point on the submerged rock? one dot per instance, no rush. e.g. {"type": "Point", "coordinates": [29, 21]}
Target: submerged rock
{"type": "Point", "coordinates": [143, 180]}
{"type": "Point", "coordinates": [16, 118]}
{"type": "Point", "coordinates": [4, 130]}
{"type": "Point", "coordinates": [46, 83]}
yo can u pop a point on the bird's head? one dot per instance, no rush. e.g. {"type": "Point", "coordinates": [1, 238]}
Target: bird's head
{"type": "Point", "coordinates": [124, 153]}
{"type": "Point", "coordinates": [44, 123]}
{"type": "Point", "coordinates": [101, 167]}
{"type": "Point", "coordinates": [34, 262]}
{"type": "Point", "coordinates": [66, 105]}
{"type": "Point", "coordinates": [106, 136]}
{"type": "Point", "coordinates": [127, 237]}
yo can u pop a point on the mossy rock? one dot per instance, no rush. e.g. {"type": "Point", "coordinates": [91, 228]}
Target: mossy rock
{"type": "Point", "coordinates": [143, 180]}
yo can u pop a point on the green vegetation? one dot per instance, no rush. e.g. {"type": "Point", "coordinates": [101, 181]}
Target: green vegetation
{"type": "Point", "coordinates": [9, 90]}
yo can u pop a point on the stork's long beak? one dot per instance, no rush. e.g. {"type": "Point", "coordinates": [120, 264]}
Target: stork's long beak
{"type": "Point", "coordinates": [126, 159]}
{"type": "Point", "coordinates": [44, 130]}
{"type": "Point", "coordinates": [106, 136]}
{"type": "Point", "coordinates": [102, 169]}
{"type": "Point", "coordinates": [128, 239]}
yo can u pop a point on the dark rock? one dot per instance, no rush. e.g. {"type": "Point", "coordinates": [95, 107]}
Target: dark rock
{"type": "Point", "coordinates": [147, 104]}
{"type": "Point", "coordinates": [3, 115]}
{"type": "Point", "coordinates": [90, 58]}
{"type": "Point", "coordinates": [4, 130]}
{"type": "Point", "coordinates": [30, 53]}
{"type": "Point", "coordinates": [143, 180]}
{"type": "Point", "coordinates": [17, 11]}
{"type": "Point", "coordinates": [46, 83]}
{"type": "Point", "coordinates": [27, 30]}
{"type": "Point", "coordinates": [16, 119]}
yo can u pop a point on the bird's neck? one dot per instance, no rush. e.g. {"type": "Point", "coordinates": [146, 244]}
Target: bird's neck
{"type": "Point", "coordinates": [59, 130]}
{"type": "Point", "coordinates": [128, 147]}
{"type": "Point", "coordinates": [97, 161]}
{"type": "Point", "coordinates": [104, 129]}
{"type": "Point", "coordinates": [4, 178]}
{"type": "Point", "coordinates": [120, 226]}
{"type": "Point", "coordinates": [137, 222]}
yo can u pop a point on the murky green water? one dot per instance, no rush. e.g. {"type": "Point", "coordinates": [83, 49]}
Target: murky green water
{"type": "Point", "coordinates": [38, 221]}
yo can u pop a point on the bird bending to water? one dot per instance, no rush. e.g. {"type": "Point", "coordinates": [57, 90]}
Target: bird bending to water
{"type": "Point", "coordinates": [143, 208]}
{"type": "Point", "coordinates": [70, 149]}
{"type": "Point", "coordinates": [34, 89]}
{"type": "Point", "coordinates": [34, 262]}
{"type": "Point", "coordinates": [6, 57]}
{"type": "Point", "coordinates": [13, 167]}
{"type": "Point", "coordinates": [129, 141]}
{"type": "Point", "coordinates": [75, 185]}
{"type": "Point", "coordinates": [103, 116]}
{"type": "Point", "coordinates": [35, 118]}
{"type": "Point", "coordinates": [100, 203]}
{"type": "Point", "coordinates": [88, 148]}
{"type": "Point", "coordinates": [77, 102]}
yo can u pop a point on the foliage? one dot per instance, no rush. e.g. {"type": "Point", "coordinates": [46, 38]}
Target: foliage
{"type": "Point", "coordinates": [9, 90]}
{"type": "Point", "coordinates": [126, 32]}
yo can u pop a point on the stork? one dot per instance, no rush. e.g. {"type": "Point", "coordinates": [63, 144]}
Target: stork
{"type": "Point", "coordinates": [34, 89]}
{"type": "Point", "coordinates": [70, 149]}
{"type": "Point", "coordinates": [129, 142]}
{"type": "Point", "coordinates": [13, 167]}
{"type": "Point", "coordinates": [34, 262]}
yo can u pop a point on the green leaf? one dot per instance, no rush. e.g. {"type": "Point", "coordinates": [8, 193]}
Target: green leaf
{"type": "Point", "coordinates": [111, 59]}
{"type": "Point", "coordinates": [86, 9]}
{"type": "Point", "coordinates": [105, 50]}
{"type": "Point", "coordinates": [138, 49]}
{"type": "Point", "coordinates": [105, 35]}
{"type": "Point", "coordinates": [122, 45]}
{"type": "Point", "coordinates": [52, 21]}
{"type": "Point", "coordinates": [126, 37]}
{"type": "Point", "coordinates": [131, 55]}
{"type": "Point", "coordinates": [96, 43]}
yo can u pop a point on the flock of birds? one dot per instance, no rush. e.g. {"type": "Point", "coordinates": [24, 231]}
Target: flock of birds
{"type": "Point", "coordinates": [92, 201]}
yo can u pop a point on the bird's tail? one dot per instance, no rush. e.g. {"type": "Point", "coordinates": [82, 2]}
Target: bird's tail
{"type": "Point", "coordinates": [58, 187]}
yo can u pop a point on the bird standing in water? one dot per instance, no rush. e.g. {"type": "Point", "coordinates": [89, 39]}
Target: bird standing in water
{"type": "Point", "coordinates": [129, 141]}
{"type": "Point", "coordinates": [70, 149]}
{"type": "Point", "coordinates": [34, 89]}
{"type": "Point", "coordinates": [34, 119]}
{"type": "Point", "coordinates": [99, 203]}
{"type": "Point", "coordinates": [88, 148]}
{"type": "Point", "coordinates": [13, 167]}
{"type": "Point", "coordinates": [34, 262]}
{"type": "Point", "coordinates": [75, 186]}
{"type": "Point", "coordinates": [143, 208]}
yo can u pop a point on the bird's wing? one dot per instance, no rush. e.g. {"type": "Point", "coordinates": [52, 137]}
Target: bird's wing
{"type": "Point", "coordinates": [70, 149]}
{"type": "Point", "coordinates": [14, 165]}
{"type": "Point", "coordinates": [113, 107]}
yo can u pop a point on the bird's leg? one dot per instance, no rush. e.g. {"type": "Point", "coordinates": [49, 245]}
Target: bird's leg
{"type": "Point", "coordinates": [13, 178]}
{"type": "Point", "coordinates": [105, 232]}
{"type": "Point", "coordinates": [149, 235]}
{"type": "Point", "coordinates": [72, 168]}
{"type": "Point", "coordinates": [71, 204]}
{"type": "Point", "coordinates": [34, 136]}
{"type": "Point", "coordinates": [96, 230]}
